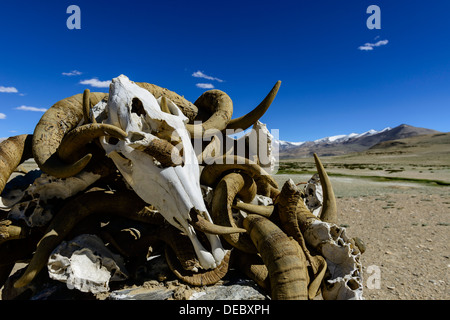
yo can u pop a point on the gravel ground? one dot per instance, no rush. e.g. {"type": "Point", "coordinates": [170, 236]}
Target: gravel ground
{"type": "Point", "coordinates": [405, 227]}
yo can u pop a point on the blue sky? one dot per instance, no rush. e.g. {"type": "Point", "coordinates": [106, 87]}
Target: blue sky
{"type": "Point", "coordinates": [329, 85]}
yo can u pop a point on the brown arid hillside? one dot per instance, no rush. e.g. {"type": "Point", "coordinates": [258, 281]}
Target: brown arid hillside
{"type": "Point", "coordinates": [424, 158]}
{"type": "Point", "coordinates": [395, 196]}
{"type": "Point", "coordinates": [358, 143]}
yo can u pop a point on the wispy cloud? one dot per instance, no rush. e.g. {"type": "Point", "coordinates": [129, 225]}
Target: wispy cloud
{"type": "Point", "coordinates": [94, 82]}
{"type": "Point", "coordinates": [370, 46]}
{"type": "Point", "coordinates": [2, 116]}
{"type": "Point", "coordinates": [27, 108]}
{"type": "Point", "coordinates": [72, 73]}
{"type": "Point", "coordinates": [8, 89]}
{"type": "Point", "coordinates": [205, 85]}
{"type": "Point", "coordinates": [200, 74]}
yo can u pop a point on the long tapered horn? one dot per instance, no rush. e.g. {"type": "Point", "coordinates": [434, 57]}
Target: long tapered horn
{"type": "Point", "coordinates": [76, 139]}
{"type": "Point", "coordinates": [227, 189]}
{"type": "Point", "coordinates": [250, 118]}
{"type": "Point", "coordinates": [211, 174]}
{"type": "Point", "coordinates": [219, 104]}
{"type": "Point", "coordinates": [203, 225]}
{"type": "Point", "coordinates": [87, 107]}
{"type": "Point", "coordinates": [329, 208]}
{"type": "Point", "coordinates": [13, 151]}
{"type": "Point", "coordinates": [265, 211]}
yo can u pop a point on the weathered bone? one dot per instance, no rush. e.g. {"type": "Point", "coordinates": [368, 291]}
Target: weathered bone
{"type": "Point", "coordinates": [313, 195]}
{"type": "Point", "coordinates": [173, 190]}
{"type": "Point", "coordinates": [71, 214]}
{"type": "Point", "coordinates": [84, 263]}
{"type": "Point", "coordinates": [344, 275]}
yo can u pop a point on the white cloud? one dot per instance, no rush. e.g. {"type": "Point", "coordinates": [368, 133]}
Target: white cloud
{"type": "Point", "coordinates": [8, 89]}
{"type": "Point", "coordinates": [370, 46]}
{"type": "Point", "coordinates": [72, 73]}
{"type": "Point", "coordinates": [205, 85]}
{"type": "Point", "coordinates": [2, 116]}
{"type": "Point", "coordinates": [96, 83]}
{"type": "Point", "coordinates": [26, 108]}
{"type": "Point", "coordinates": [200, 74]}
{"type": "Point", "coordinates": [365, 48]}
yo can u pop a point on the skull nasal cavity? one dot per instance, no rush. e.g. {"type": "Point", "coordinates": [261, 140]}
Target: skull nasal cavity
{"type": "Point", "coordinates": [137, 107]}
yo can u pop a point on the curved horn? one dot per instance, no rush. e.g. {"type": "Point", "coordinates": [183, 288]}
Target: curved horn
{"type": "Point", "coordinates": [211, 174]}
{"type": "Point", "coordinates": [253, 267]}
{"type": "Point", "coordinates": [203, 225]}
{"type": "Point", "coordinates": [76, 139]}
{"type": "Point", "coordinates": [250, 118]}
{"type": "Point", "coordinates": [285, 260]}
{"type": "Point", "coordinates": [13, 151]}
{"type": "Point", "coordinates": [329, 208]}
{"type": "Point", "coordinates": [162, 150]}
{"type": "Point", "coordinates": [56, 122]}
{"type": "Point", "coordinates": [225, 192]}
{"type": "Point", "coordinates": [292, 212]}
{"type": "Point", "coordinates": [87, 107]}
{"type": "Point", "coordinates": [265, 211]}
{"type": "Point", "coordinates": [182, 259]}
{"type": "Point", "coordinates": [221, 107]}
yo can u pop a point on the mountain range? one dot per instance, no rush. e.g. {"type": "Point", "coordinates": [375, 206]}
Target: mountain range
{"type": "Point", "coordinates": [344, 144]}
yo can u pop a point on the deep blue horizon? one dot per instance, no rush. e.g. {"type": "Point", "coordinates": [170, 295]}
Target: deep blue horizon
{"type": "Point", "coordinates": [338, 76]}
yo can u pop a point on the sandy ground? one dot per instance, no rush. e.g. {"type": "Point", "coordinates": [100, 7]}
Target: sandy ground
{"type": "Point", "coordinates": [405, 227]}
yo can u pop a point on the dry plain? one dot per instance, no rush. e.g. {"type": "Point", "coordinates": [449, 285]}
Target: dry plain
{"type": "Point", "coordinates": [396, 198]}
{"type": "Point", "coordinates": [398, 203]}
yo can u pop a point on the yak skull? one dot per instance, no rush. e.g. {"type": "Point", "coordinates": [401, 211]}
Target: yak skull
{"type": "Point", "coordinates": [173, 187]}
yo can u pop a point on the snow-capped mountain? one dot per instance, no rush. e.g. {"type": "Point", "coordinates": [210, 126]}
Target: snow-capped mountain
{"type": "Point", "coordinates": [346, 137]}
{"type": "Point", "coordinates": [346, 143]}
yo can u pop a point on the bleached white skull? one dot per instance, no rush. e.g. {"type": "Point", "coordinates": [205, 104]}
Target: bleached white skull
{"type": "Point", "coordinates": [174, 189]}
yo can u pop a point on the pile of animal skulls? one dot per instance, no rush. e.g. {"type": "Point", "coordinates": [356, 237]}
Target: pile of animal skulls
{"type": "Point", "coordinates": [126, 168]}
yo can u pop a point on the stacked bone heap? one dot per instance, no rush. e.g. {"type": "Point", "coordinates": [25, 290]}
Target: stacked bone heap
{"type": "Point", "coordinates": [120, 180]}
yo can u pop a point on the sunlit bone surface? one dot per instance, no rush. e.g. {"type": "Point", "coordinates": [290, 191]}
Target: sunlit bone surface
{"type": "Point", "coordinates": [86, 264]}
{"type": "Point", "coordinates": [173, 190]}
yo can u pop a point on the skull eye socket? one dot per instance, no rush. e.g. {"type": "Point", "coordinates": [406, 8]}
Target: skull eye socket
{"type": "Point", "coordinates": [137, 107]}
{"type": "Point", "coordinates": [112, 140]}
{"type": "Point", "coordinates": [136, 136]}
